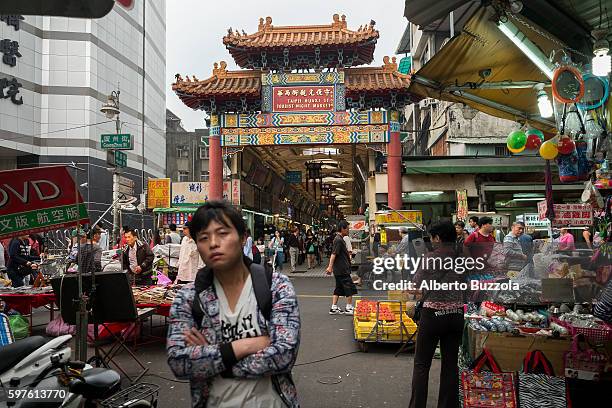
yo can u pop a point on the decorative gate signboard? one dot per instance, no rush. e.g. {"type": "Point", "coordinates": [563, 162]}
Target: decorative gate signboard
{"type": "Point", "coordinates": [303, 99]}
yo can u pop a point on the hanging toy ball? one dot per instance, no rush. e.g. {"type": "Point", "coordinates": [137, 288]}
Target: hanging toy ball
{"type": "Point", "coordinates": [566, 145]}
{"type": "Point", "coordinates": [548, 150]}
{"type": "Point", "coordinates": [535, 138]}
{"type": "Point", "coordinates": [516, 141]}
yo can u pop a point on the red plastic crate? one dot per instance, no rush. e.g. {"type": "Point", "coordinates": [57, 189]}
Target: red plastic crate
{"type": "Point", "coordinates": [597, 334]}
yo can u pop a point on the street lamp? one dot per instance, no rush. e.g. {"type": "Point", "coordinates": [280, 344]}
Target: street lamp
{"type": "Point", "coordinates": [111, 110]}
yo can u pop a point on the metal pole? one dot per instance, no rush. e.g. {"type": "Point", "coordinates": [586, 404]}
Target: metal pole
{"type": "Point", "coordinates": [144, 70]}
{"type": "Point", "coordinates": [115, 206]}
{"type": "Point", "coordinates": [81, 321]}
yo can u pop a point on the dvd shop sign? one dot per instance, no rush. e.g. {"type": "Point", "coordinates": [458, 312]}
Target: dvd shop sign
{"type": "Point", "coordinates": [38, 199]}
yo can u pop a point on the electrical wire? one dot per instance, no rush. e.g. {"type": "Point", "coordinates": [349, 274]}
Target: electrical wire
{"type": "Point", "coordinates": [166, 378]}
{"type": "Point", "coordinates": [326, 359]}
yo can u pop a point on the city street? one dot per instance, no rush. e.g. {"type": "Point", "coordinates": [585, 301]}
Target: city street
{"type": "Point", "coordinates": [372, 379]}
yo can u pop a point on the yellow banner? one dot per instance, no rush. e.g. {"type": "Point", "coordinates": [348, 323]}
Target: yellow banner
{"type": "Point", "coordinates": [400, 217]}
{"type": "Point", "coordinates": [158, 193]}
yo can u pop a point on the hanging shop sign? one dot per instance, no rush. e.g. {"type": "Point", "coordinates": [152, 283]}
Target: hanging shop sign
{"type": "Point", "coordinates": [399, 217]}
{"type": "Point", "coordinates": [188, 194]}
{"type": "Point", "coordinates": [38, 199]}
{"type": "Point", "coordinates": [533, 220]}
{"type": "Point", "coordinates": [574, 215]}
{"type": "Point", "coordinates": [158, 193]}
{"type": "Point", "coordinates": [462, 205]}
{"type": "Point", "coordinates": [293, 177]}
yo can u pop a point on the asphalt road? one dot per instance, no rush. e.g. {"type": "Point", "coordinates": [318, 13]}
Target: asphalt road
{"type": "Point", "coordinates": [372, 379]}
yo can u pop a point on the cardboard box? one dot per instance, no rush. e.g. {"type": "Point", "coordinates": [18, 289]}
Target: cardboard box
{"type": "Point", "coordinates": [509, 351]}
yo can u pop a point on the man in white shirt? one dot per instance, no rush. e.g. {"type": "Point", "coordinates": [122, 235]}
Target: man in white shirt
{"type": "Point", "coordinates": [190, 260]}
{"type": "Point", "coordinates": [173, 237]}
{"type": "Point", "coordinates": [248, 246]}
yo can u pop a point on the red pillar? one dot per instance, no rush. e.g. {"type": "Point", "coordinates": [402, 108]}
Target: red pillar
{"type": "Point", "coordinates": [215, 164]}
{"type": "Point", "coordinates": [394, 171]}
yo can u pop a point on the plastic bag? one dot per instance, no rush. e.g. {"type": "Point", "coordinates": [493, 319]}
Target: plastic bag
{"type": "Point", "coordinates": [57, 327]}
{"type": "Point", "coordinates": [19, 326]}
{"type": "Point", "coordinates": [163, 280]}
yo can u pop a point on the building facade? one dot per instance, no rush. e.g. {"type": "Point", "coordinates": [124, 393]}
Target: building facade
{"type": "Point", "coordinates": [186, 154]}
{"type": "Point", "coordinates": [64, 69]}
{"type": "Point", "coordinates": [439, 128]}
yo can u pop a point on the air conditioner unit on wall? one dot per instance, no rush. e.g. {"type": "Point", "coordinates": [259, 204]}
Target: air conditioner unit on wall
{"type": "Point", "coordinates": [427, 102]}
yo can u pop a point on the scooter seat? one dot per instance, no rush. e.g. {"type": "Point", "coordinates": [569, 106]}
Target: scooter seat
{"type": "Point", "coordinates": [97, 383]}
{"type": "Point", "coordinates": [13, 353]}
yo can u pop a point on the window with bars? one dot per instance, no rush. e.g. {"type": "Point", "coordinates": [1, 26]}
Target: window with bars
{"type": "Point", "coordinates": [182, 151]}
{"type": "Point", "coordinates": [183, 176]}
{"type": "Point", "coordinates": [204, 176]}
{"type": "Point", "coordinates": [502, 151]}
{"type": "Point", "coordinates": [203, 152]}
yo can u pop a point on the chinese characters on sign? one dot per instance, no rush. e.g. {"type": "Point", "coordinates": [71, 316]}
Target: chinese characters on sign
{"type": "Point", "coordinates": [399, 217]}
{"type": "Point", "coordinates": [13, 89]}
{"type": "Point", "coordinates": [574, 215]}
{"type": "Point", "coordinates": [117, 141]}
{"type": "Point", "coordinates": [12, 20]}
{"type": "Point", "coordinates": [462, 205]}
{"type": "Point", "coordinates": [10, 51]}
{"type": "Point", "coordinates": [302, 98]}
{"type": "Point", "coordinates": [38, 199]}
{"type": "Point", "coordinates": [158, 193]}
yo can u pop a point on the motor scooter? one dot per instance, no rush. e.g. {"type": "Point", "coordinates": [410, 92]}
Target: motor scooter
{"type": "Point", "coordinates": [39, 373]}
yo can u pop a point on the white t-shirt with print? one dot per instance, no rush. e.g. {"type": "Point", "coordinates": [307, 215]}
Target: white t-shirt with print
{"type": "Point", "coordinates": [241, 324]}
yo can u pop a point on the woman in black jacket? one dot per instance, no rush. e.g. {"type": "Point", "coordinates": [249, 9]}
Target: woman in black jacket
{"type": "Point", "coordinates": [21, 262]}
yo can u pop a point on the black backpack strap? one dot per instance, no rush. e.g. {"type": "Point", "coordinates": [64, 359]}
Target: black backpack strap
{"type": "Point", "coordinates": [262, 281]}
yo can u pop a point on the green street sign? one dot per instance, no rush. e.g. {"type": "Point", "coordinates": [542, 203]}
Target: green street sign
{"type": "Point", "coordinates": [120, 159]}
{"type": "Point", "coordinates": [117, 142]}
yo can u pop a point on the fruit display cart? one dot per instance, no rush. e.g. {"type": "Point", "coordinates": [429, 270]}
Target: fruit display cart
{"type": "Point", "coordinates": [382, 322]}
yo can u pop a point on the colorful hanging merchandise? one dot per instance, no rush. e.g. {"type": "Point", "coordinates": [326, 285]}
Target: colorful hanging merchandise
{"type": "Point", "coordinates": [537, 385]}
{"type": "Point", "coordinates": [488, 388]}
{"type": "Point", "coordinates": [572, 158]}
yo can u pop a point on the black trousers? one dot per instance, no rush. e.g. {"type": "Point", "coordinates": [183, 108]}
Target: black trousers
{"type": "Point", "coordinates": [448, 330]}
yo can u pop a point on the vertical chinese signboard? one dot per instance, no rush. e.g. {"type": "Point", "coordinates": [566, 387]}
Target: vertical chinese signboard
{"type": "Point", "coordinates": [9, 48]}
{"type": "Point", "coordinates": [158, 193]}
{"type": "Point", "coordinates": [462, 205]}
{"type": "Point", "coordinates": [38, 199]}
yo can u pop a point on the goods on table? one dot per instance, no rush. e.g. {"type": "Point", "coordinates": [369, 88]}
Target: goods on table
{"type": "Point", "coordinates": [591, 327]}
{"type": "Point", "coordinates": [390, 325]}
{"type": "Point", "coordinates": [155, 295]}
{"type": "Point", "coordinates": [25, 290]}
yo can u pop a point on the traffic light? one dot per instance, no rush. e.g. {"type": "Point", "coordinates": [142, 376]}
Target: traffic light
{"type": "Point", "coordinates": [60, 8]}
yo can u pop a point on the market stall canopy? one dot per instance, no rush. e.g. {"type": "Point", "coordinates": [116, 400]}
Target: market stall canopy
{"type": "Point", "coordinates": [481, 67]}
{"type": "Point", "coordinates": [424, 12]}
{"type": "Point", "coordinates": [472, 165]}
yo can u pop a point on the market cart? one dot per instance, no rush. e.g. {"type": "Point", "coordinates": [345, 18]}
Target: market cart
{"type": "Point", "coordinates": [382, 322]}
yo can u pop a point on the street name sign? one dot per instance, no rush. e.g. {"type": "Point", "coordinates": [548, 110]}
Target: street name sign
{"type": "Point", "coordinates": [120, 159]}
{"type": "Point", "coordinates": [117, 142]}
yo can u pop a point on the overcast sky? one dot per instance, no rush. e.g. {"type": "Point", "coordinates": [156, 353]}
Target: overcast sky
{"type": "Point", "coordinates": [195, 28]}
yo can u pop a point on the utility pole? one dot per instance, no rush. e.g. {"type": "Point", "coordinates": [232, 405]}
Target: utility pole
{"type": "Point", "coordinates": [111, 110]}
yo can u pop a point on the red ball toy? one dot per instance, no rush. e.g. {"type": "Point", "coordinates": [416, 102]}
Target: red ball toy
{"type": "Point", "coordinates": [566, 145]}
{"type": "Point", "coordinates": [533, 142]}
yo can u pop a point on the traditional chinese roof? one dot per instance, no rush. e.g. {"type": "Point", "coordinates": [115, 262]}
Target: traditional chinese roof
{"type": "Point", "coordinates": [246, 48]}
{"type": "Point", "coordinates": [232, 85]}
{"type": "Point", "coordinates": [376, 79]}
{"type": "Point", "coordinates": [223, 84]}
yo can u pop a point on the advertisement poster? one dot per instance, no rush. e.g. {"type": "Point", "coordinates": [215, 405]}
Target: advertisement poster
{"type": "Point", "coordinates": [38, 199]}
{"type": "Point", "coordinates": [573, 215]}
{"type": "Point", "coordinates": [462, 205]}
{"type": "Point", "coordinates": [158, 193]}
